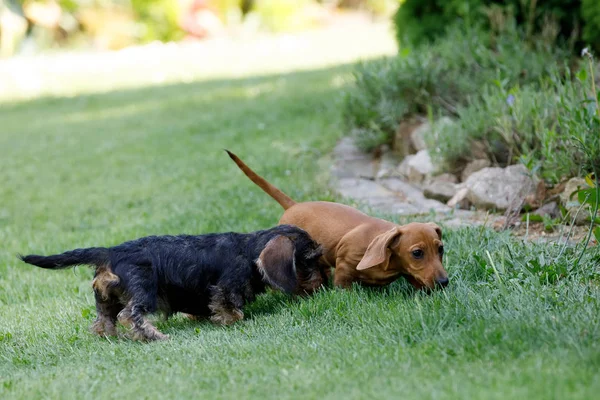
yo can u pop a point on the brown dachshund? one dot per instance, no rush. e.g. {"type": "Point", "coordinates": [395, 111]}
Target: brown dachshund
{"type": "Point", "coordinates": [361, 248]}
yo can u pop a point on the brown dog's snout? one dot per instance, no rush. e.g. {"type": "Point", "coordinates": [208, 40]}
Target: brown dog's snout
{"type": "Point", "coordinates": [443, 282]}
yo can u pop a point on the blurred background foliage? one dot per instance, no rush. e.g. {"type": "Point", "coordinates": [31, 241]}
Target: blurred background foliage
{"type": "Point", "coordinates": [114, 24]}
{"type": "Point", "coordinates": [574, 22]}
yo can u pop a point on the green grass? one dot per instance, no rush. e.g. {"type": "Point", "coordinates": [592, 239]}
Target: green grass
{"type": "Point", "coordinates": [101, 169]}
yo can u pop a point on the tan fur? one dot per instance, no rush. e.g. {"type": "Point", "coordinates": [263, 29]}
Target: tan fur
{"type": "Point", "coordinates": [103, 281]}
{"type": "Point", "coordinates": [348, 235]}
{"type": "Point", "coordinates": [224, 315]}
{"type": "Point", "coordinates": [141, 328]}
{"type": "Point", "coordinates": [104, 326]}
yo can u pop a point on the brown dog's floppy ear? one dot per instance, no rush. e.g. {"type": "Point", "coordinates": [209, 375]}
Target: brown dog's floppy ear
{"type": "Point", "coordinates": [277, 265]}
{"type": "Point", "coordinates": [438, 230]}
{"type": "Point", "coordinates": [378, 252]}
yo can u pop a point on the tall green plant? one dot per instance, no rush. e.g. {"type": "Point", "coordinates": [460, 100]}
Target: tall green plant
{"type": "Point", "coordinates": [588, 140]}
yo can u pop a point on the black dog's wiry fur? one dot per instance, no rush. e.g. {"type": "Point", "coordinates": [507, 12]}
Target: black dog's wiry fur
{"type": "Point", "coordinates": [206, 275]}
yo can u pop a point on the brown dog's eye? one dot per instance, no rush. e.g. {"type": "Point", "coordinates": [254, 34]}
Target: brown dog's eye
{"type": "Point", "coordinates": [418, 253]}
{"type": "Point", "coordinates": [441, 250]}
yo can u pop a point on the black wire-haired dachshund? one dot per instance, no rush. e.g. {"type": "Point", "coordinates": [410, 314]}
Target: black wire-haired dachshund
{"type": "Point", "coordinates": [206, 275]}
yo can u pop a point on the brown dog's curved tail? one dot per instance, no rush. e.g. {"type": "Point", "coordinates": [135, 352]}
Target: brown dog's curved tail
{"type": "Point", "coordinates": [283, 199]}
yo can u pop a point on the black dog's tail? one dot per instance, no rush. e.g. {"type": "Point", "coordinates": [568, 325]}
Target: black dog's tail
{"type": "Point", "coordinates": [95, 256]}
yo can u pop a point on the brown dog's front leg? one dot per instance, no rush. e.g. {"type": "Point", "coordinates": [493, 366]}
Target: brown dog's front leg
{"type": "Point", "coordinates": [343, 276]}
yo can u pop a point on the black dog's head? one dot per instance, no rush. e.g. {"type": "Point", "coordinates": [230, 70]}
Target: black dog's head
{"type": "Point", "coordinates": [290, 261]}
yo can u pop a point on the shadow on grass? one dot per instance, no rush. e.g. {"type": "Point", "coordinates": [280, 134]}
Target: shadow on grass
{"type": "Point", "coordinates": [274, 302]}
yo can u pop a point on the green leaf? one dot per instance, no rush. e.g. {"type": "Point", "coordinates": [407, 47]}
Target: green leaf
{"type": "Point", "coordinates": [582, 75]}
{"type": "Point", "coordinates": [532, 218]}
{"type": "Point", "coordinates": [5, 336]}
{"type": "Point", "coordinates": [85, 312]}
{"type": "Point", "coordinates": [597, 234]}
{"type": "Point", "coordinates": [587, 196]}
{"type": "Point", "coordinates": [590, 179]}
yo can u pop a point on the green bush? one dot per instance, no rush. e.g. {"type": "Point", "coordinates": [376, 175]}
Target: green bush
{"type": "Point", "coordinates": [419, 20]}
{"type": "Point", "coordinates": [536, 125]}
{"type": "Point", "coordinates": [439, 78]}
{"type": "Point", "coordinates": [513, 99]}
{"type": "Point", "coordinates": [590, 11]}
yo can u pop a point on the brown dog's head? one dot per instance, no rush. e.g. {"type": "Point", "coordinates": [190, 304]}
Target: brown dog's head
{"type": "Point", "coordinates": [414, 251]}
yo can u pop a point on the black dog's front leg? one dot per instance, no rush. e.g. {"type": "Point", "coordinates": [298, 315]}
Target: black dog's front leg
{"type": "Point", "coordinates": [133, 316]}
{"type": "Point", "coordinates": [225, 305]}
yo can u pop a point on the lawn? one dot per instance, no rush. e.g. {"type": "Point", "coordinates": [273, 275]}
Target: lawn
{"type": "Point", "coordinates": [99, 169]}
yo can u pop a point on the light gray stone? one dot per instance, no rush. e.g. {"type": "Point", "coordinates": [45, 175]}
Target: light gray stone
{"type": "Point", "coordinates": [412, 195]}
{"type": "Point", "coordinates": [445, 177]}
{"type": "Point", "coordinates": [362, 189]}
{"type": "Point", "coordinates": [402, 189]}
{"type": "Point", "coordinates": [420, 132]}
{"type": "Point", "coordinates": [550, 209]}
{"type": "Point", "coordinates": [417, 168]}
{"type": "Point", "coordinates": [388, 164]}
{"type": "Point", "coordinates": [374, 195]}
{"type": "Point", "coordinates": [500, 188]}
{"type": "Point", "coordinates": [417, 136]}
{"type": "Point", "coordinates": [440, 190]}
{"type": "Point", "coordinates": [460, 199]}
{"type": "Point", "coordinates": [474, 166]}
{"type": "Point", "coordinates": [350, 162]}
{"type": "Point", "coordinates": [570, 201]}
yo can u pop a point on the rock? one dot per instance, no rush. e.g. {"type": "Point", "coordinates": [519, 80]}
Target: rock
{"type": "Point", "coordinates": [350, 162]}
{"type": "Point", "coordinates": [402, 138]}
{"type": "Point", "coordinates": [479, 150]}
{"type": "Point", "coordinates": [550, 209]}
{"type": "Point", "coordinates": [474, 166]}
{"type": "Point", "coordinates": [460, 199]}
{"type": "Point", "coordinates": [403, 190]}
{"type": "Point", "coordinates": [571, 203]}
{"type": "Point", "coordinates": [362, 189]}
{"type": "Point", "coordinates": [387, 165]}
{"type": "Point", "coordinates": [440, 190]}
{"type": "Point", "coordinates": [376, 196]}
{"type": "Point", "coordinates": [403, 168]}
{"type": "Point", "coordinates": [407, 193]}
{"type": "Point", "coordinates": [500, 188]}
{"type": "Point", "coordinates": [446, 177]}
{"type": "Point", "coordinates": [416, 168]}
{"type": "Point", "coordinates": [535, 200]}
{"type": "Point", "coordinates": [417, 136]}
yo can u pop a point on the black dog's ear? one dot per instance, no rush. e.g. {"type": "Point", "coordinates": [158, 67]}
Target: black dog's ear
{"type": "Point", "coordinates": [315, 251]}
{"type": "Point", "coordinates": [276, 264]}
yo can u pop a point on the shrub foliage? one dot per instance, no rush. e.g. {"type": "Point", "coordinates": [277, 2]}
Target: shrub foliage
{"type": "Point", "coordinates": [575, 21]}
{"type": "Point", "coordinates": [515, 98]}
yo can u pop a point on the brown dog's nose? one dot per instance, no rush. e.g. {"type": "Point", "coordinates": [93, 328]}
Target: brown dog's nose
{"type": "Point", "coordinates": [443, 282]}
